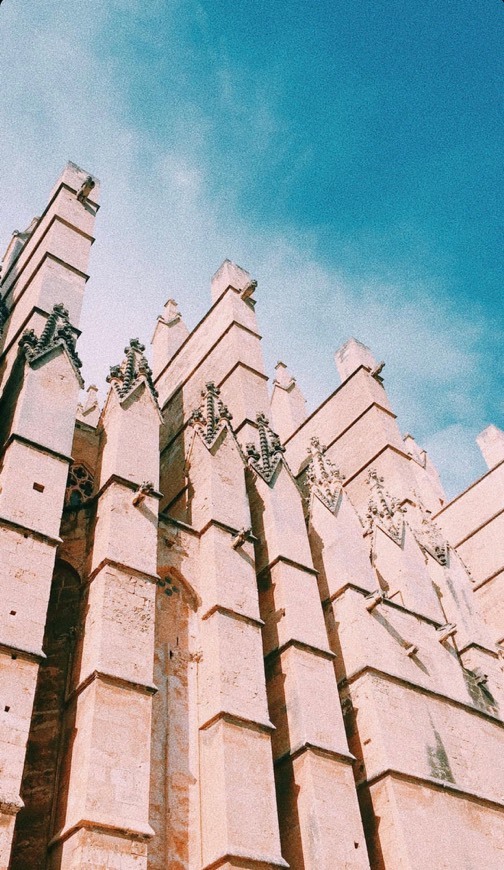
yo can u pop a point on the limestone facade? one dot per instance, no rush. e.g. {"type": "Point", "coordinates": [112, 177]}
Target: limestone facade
{"type": "Point", "coordinates": [232, 635]}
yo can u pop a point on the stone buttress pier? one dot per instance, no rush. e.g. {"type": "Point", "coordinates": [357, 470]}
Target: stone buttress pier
{"type": "Point", "coordinates": [418, 674]}
{"type": "Point", "coordinates": [233, 634]}
{"type": "Point", "coordinates": [313, 764]}
{"type": "Point", "coordinates": [104, 800]}
{"type": "Point", "coordinates": [41, 292]}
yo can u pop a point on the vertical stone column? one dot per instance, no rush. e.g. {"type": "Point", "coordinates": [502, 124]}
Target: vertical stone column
{"type": "Point", "coordinates": [104, 789]}
{"type": "Point", "coordinates": [169, 334]}
{"type": "Point", "coordinates": [238, 811]}
{"type": "Point", "coordinates": [32, 488]}
{"type": "Point", "coordinates": [288, 405]}
{"type": "Point", "coordinates": [47, 264]}
{"type": "Point", "coordinates": [414, 666]}
{"type": "Point", "coordinates": [319, 817]}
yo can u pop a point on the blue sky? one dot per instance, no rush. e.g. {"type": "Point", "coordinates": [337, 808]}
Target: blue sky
{"type": "Point", "coordinates": [347, 154]}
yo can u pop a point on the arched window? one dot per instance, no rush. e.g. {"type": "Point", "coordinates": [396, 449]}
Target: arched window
{"type": "Point", "coordinates": [80, 485]}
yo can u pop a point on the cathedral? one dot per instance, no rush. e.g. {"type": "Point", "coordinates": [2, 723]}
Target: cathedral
{"type": "Point", "coordinates": [232, 634]}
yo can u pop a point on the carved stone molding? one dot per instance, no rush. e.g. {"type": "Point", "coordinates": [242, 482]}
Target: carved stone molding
{"type": "Point", "coordinates": [134, 367]}
{"type": "Point", "coordinates": [57, 332]}
{"type": "Point", "coordinates": [322, 476]}
{"type": "Point", "coordinates": [210, 418]}
{"type": "Point", "coordinates": [267, 459]}
{"type": "Point", "coordinates": [383, 509]}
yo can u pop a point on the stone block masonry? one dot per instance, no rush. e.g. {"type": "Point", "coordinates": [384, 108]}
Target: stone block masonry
{"type": "Point", "coordinates": [232, 634]}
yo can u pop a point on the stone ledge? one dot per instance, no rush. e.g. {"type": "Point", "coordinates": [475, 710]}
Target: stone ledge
{"type": "Point", "coordinates": [248, 861]}
{"type": "Point", "coordinates": [110, 830]}
{"type": "Point", "coordinates": [423, 690]}
{"type": "Point", "coordinates": [300, 645]}
{"type": "Point", "coordinates": [26, 530]}
{"type": "Point", "coordinates": [121, 566]}
{"type": "Point", "coordinates": [488, 579]}
{"type": "Point", "coordinates": [285, 559]}
{"type": "Point", "coordinates": [111, 680]}
{"type": "Point", "coordinates": [325, 751]}
{"type": "Point", "coordinates": [31, 655]}
{"type": "Point", "coordinates": [55, 219]}
{"type": "Point", "coordinates": [10, 806]}
{"type": "Point", "coordinates": [37, 446]}
{"type": "Point", "coordinates": [479, 528]}
{"type": "Point", "coordinates": [326, 401]}
{"type": "Point", "coordinates": [207, 353]}
{"type": "Point", "coordinates": [388, 601]}
{"type": "Point", "coordinates": [191, 334]}
{"type": "Point", "coordinates": [266, 727]}
{"type": "Point", "coordinates": [233, 614]}
{"type": "Point", "coordinates": [60, 187]}
{"type": "Point", "coordinates": [471, 486]}
{"type": "Point", "coordinates": [437, 784]}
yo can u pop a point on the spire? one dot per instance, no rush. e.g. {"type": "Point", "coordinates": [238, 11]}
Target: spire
{"type": "Point", "coordinates": [288, 405]}
{"type": "Point", "coordinates": [89, 411]}
{"type": "Point", "coordinates": [132, 370]}
{"type": "Point", "coordinates": [209, 419]}
{"type": "Point", "coordinates": [57, 332]}
{"type": "Point", "coordinates": [491, 444]}
{"type": "Point", "coordinates": [324, 479]}
{"type": "Point", "coordinates": [231, 275]}
{"type": "Point", "coordinates": [169, 334]}
{"type": "Point", "coordinates": [284, 377]}
{"type": "Point", "coordinates": [353, 354]}
{"type": "Point", "coordinates": [266, 460]}
{"type": "Point", "coordinates": [383, 508]}
{"type": "Point", "coordinates": [171, 312]}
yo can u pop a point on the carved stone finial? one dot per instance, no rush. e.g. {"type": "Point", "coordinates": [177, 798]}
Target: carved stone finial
{"type": "Point", "coordinates": [57, 331]}
{"type": "Point", "coordinates": [322, 475]}
{"type": "Point", "coordinates": [265, 460]}
{"type": "Point", "coordinates": [146, 488]}
{"type": "Point", "coordinates": [383, 508]}
{"type": "Point", "coordinates": [428, 533]}
{"type": "Point", "coordinates": [85, 189]}
{"type": "Point", "coordinates": [376, 373]}
{"type": "Point", "coordinates": [171, 312]}
{"type": "Point", "coordinates": [208, 420]}
{"type": "Point", "coordinates": [134, 367]}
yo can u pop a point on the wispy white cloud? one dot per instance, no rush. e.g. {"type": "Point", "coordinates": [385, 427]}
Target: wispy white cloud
{"type": "Point", "coordinates": [164, 229]}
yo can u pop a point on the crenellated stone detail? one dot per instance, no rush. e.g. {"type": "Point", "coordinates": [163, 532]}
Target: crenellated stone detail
{"type": "Point", "coordinates": [210, 418]}
{"type": "Point", "coordinates": [125, 377]}
{"type": "Point", "coordinates": [57, 332]}
{"type": "Point", "coordinates": [267, 459]}
{"type": "Point", "coordinates": [383, 509]}
{"type": "Point", "coordinates": [323, 478]}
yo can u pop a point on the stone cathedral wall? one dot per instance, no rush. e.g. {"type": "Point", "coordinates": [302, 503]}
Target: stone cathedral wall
{"type": "Point", "coordinates": [232, 635]}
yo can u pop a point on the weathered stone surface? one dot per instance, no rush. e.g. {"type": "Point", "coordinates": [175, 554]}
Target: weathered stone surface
{"type": "Point", "coordinates": [232, 636]}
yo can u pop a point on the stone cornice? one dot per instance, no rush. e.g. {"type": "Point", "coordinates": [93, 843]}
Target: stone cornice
{"type": "Point", "coordinates": [30, 655]}
{"type": "Point", "coordinates": [37, 446]}
{"type": "Point", "coordinates": [442, 785]}
{"type": "Point", "coordinates": [419, 689]}
{"type": "Point", "coordinates": [345, 757]}
{"type": "Point", "coordinates": [264, 727]}
{"type": "Point", "coordinates": [302, 646]}
{"type": "Point", "coordinates": [41, 536]}
{"type": "Point", "coordinates": [181, 385]}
